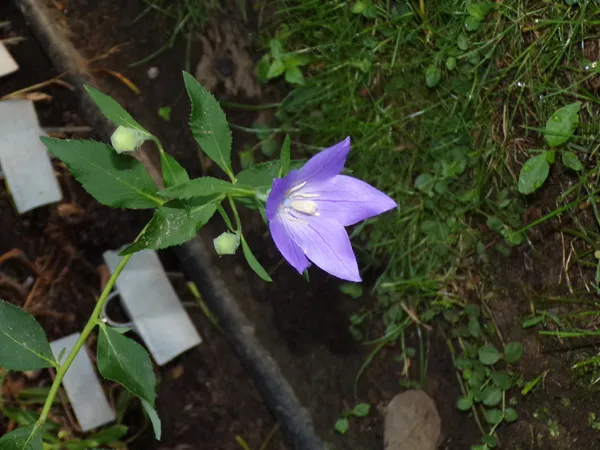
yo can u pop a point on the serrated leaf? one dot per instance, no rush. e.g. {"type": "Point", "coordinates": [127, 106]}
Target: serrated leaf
{"type": "Point", "coordinates": [276, 68]}
{"type": "Point", "coordinates": [173, 173]}
{"type": "Point", "coordinates": [113, 111]}
{"type": "Point", "coordinates": [479, 10]}
{"type": "Point", "coordinates": [562, 124]}
{"type": "Point", "coordinates": [114, 180]}
{"type": "Point", "coordinates": [276, 48]}
{"type": "Point", "coordinates": [533, 173]}
{"type": "Point", "coordinates": [488, 354]}
{"type": "Point", "coordinates": [464, 403]}
{"type": "Point", "coordinates": [513, 352]}
{"type": "Point", "coordinates": [571, 160]}
{"type": "Point", "coordinates": [174, 223]}
{"type": "Point", "coordinates": [361, 410]}
{"type": "Point", "coordinates": [253, 262]}
{"type": "Point", "coordinates": [126, 362]}
{"type": "Point", "coordinates": [493, 416]}
{"type": "Point", "coordinates": [285, 157]}
{"type": "Point", "coordinates": [342, 425]}
{"type": "Point", "coordinates": [23, 344]}
{"type": "Point", "coordinates": [492, 396]}
{"type": "Point", "coordinates": [28, 438]}
{"type": "Point", "coordinates": [209, 124]}
{"type": "Point", "coordinates": [293, 75]}
{"type": "Point", "coordinates": [203, 187]}
{"type": "Point", "coordinates": [510, 415]}
{"type": "Point", "coordinates": [154, 419]}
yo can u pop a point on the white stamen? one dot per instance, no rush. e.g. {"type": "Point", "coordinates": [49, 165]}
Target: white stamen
{"type": "Point", "coordinates": [305, 206]}
{"type": "Point", "coordinates": [295, 188]}
{"type": "Point", "coordinates": [306, 196]}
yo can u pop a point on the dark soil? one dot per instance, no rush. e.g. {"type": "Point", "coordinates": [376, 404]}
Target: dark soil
{"type": "Point", "coordinates": [205, 398]}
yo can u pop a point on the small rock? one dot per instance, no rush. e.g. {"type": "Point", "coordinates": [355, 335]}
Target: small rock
{"type": "Point", "coordinates": [153, 72]}
{"type": "Point", "coordinates": [412, 422]}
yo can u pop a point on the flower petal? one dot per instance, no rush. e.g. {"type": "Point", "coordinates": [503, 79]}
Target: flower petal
{"type": "Point", "coordinates": [286, 245]}
{"type": "Point", "coordinates": [326, 244]}
{"type": "Point", "coordinates": [348, 200]}
{"type": "Point", "coordinates": [325, 164]}
{"type": "Point", "coordinates": [278, 191]}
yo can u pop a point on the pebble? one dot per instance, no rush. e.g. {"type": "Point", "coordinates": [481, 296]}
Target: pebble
{"type": "Point", "coordinates": [412, 422]}
{"type": "Point", "coordinates": [153, 72]}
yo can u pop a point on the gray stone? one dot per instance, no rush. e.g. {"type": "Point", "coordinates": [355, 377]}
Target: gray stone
{"type": "Point", "coordinates": [412, 422]}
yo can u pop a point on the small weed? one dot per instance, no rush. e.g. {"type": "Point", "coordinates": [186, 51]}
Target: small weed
{"type": "Point", "coordinates": [343, 423]}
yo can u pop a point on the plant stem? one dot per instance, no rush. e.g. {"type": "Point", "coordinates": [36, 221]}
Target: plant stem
{"type": "Point", "coordinates": [89, 327]}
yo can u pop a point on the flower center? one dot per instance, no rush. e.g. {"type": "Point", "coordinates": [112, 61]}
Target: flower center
{"type": "Point", "coordinates": [300, 202]}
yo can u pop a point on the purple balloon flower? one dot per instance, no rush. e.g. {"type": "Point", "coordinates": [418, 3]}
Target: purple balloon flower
{"type": "Point", "coordinates": [309, 208]}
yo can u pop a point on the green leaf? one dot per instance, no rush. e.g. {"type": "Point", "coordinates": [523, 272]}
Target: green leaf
{"type": "Point", "coordinates": [488, 354]}
{"type": "Point", "coordinates": [571, 160]}
{"type": "Point", "coordinates": [474, 328]}
{"type": "Point", "coordinates": [113, 111]}
{"type": "Point", "coordinates": [261, 176]}
{"type": "Point", "coordinates": [253, 262]}
{"type": "Point", "coordinates": [164, 113]}
{"type": "Point", "coordinates": [203, 187]}
{"type": "Point", "coordinates": [293, 75]}
{"type": "Point", "coordinates": [285, 157]}
{"type": "Point", "coordinates": [262, 68]}
{"type": "Point", "coordinates": [354, 290]}
{"type": "Point", "coordinates": [464, 403]}
{"type": "Point", "coordinates": [562, 124]}
{"type": "Point", "coordinates": [276, 68]}
{"type": "Point", "coordinates": [209, 124]}
{"type": "Point", "coordinates": [510, 415]}
{"type": "Point", "coordinates": [172, 172]}
{"type": "Point", "coordinates": [451, 63]}
{"type": "Point", "coordinates": [533, 173]}
{"type": "Point", "coordinates": [342, 425]}
{"type": "Point", "coordinates": [114, 180]}
{"type": "Point", "coordinates": [28, 438]}
{"type": "Point", "coordinates": [513, 352]}
{"type": "Point", "coordinates": [490, 440]}
{"type": "Point", "coordinates": [479, 10]}
{"type": "Point", "coordinates": [462, 42]}
{"type": "Point", "coordinates": [174, 223]}
{"type": "Point", "coordinates": [472, 24]}
{"type": "Point", "coordinates": [126, 362]}
{"type": "Point", "coordinates": [23, 344]}
{"type": "Point", "coordinates": [154, 419]}
{"type": "Point", "coordinates": [276, 48]}
{"type": "Point", "coordinates": [492, 396]}
{"type": "Point", "coordinates": [358, 7]}
{"type": "Point", "coordinates": [493, 416]}
{"type": "Point", "coordinates": [502, 379]}
{"type": "Point", "coordinates": [361, 410]}
{"type": "Point", "coordinates": [433, 76]}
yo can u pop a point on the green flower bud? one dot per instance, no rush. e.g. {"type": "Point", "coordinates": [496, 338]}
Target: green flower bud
{"type": "Point", "coordinates": [227, 243]}
{"type": "Point", "coordinates": [127, 139]}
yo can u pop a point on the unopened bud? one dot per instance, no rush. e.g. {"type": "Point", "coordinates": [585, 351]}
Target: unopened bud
{"type": "Point", "coordinates": [227, 243]}
{"type": "Point", "coordinates": [127, 139]}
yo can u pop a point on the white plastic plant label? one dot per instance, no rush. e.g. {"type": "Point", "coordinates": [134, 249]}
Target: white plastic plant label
{"type": "Point", "coordinates": [153, 306]}
{"type": "Point", "coordinates": [7, 64]}
{"type": "Point", "coordinates": [23, 158]}
{"type": "Point", "coordinates": [83, 386]}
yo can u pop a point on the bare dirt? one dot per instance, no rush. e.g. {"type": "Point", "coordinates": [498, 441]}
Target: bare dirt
{"type": "Point", "coordinates": [206, 399]}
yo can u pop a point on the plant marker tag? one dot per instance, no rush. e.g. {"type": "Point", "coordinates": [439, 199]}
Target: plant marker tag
{"type": "Point", "coordinates": [153, 306]}
{"type": "Point", "coordinates": [83, 386]}
{"type": "Point", "coordinates": [7, 63]}
{"type": "Point", "coordinates": [23, 158]}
